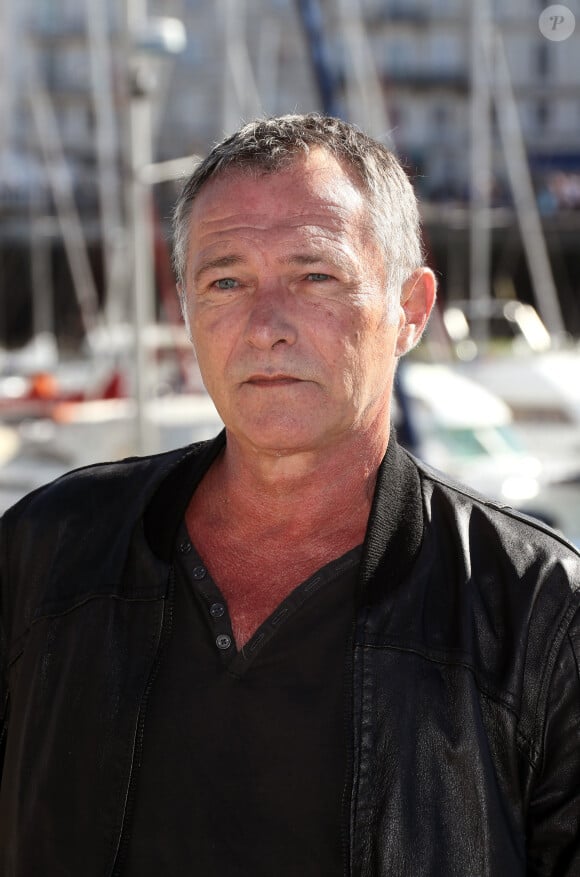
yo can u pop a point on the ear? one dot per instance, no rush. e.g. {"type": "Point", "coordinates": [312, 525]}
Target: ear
{"type": "Point", "coordinates": [417, 300]}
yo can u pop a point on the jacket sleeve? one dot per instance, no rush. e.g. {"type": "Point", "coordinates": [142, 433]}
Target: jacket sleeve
{"type": "Point", "coordinates": [554, 813]}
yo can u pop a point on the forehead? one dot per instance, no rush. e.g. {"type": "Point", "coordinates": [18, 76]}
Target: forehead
{"type": "Point", "coordinates": [311, 185]}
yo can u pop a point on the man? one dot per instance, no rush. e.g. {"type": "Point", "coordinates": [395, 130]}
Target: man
{"type": "Point", "coordinates": [293, 650]}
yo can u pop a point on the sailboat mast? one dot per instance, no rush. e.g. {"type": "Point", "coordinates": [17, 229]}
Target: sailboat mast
{"type": "Point", "coordinates": [481, 172]}
{"type": "Point", "coordinates": [60, 180]}
{"type": "Point", "coordinates": [106, 140]}
{"type": "Point", "coordinates": [140, 221]}
{"type": "Point", "coordinates": [241, 99]}
{"type": "Point", "coordinates": [365, 100]}
{"type": "Point", "coordinates": [533, 238]}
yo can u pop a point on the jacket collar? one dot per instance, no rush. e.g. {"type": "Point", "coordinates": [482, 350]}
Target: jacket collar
{"type": "Point", "coordinates": [395, 527]}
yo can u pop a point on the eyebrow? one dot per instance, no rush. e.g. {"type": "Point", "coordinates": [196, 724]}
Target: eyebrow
{"type": "Point", "coordinates": [306, 259]}
{"type": "Point", "coordinates": [218, 262]}
{"type": "Point", "coordinates": [340, 260]}
{"type": "Point", "coordinates": [302, 259]}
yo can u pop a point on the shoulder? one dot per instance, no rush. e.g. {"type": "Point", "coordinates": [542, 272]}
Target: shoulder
{"type": "Point", "coordinates": [518, 566]}
{"type": "Point", "coordinates": [83, 491]}
{"type": "Point", "coordinates": [71, 538]}
{"type": "Point", "coordinates": [80, 487]}
{"type": "Point", "coordinates": [456, 513]}
{"type": "Point", "coordinates": [461, 538]}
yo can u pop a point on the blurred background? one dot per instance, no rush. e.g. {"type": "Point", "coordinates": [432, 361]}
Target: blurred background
{"type": "Point", "coordinates": [106, 106]}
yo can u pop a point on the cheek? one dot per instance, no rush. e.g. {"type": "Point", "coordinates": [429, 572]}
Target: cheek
{"type": "Point", "coordinates": [210, 330]}
{"type": "Point", "coordinates": [346, 360]}
{"type": "Point", "coordinates": [372, 354]}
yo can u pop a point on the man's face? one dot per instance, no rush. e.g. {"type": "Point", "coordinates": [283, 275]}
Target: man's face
{"type": "Point", "coordinates": [287, 306]}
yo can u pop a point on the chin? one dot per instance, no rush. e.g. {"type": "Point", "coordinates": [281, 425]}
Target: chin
{"type": "Point", "coordinates": [277, 438]}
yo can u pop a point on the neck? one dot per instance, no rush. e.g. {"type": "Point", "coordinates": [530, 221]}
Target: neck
{"type": "Point", "coordinates": [300, 490]}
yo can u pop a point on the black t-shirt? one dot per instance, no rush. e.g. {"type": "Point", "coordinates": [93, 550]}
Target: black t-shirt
{"type": "Point", "coordinates": [244, 753]}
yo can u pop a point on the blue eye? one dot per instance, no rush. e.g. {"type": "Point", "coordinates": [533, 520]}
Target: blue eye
{"type": "Point", "coordinates": [317, 277]}
{"type": "Point", "coordinates": [226, 283]}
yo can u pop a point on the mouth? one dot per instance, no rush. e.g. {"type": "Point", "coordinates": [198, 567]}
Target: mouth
{"type": "Point", "coordinates": [272, 380]}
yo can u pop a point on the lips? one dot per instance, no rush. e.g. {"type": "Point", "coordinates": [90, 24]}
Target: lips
{"type": "Point", "coordinates": [272, 380]}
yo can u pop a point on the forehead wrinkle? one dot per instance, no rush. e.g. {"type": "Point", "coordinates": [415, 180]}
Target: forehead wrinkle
{"type": "Point", "coordinates": [318, 244]}
{"type": "Point", "coordinates": [217, 204]}
{"type": "Point", "coordinates": [335, 218]}
{"type": "Point", "coordinates": [317, 237]}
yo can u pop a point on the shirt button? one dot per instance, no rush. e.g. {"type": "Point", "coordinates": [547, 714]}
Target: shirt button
{"type": "Point", "coordinates": [216, 610]}
{"type": "Point", "coordinates": [199, 572]}
{"type": "Point", "coordinates": [223, 641]}
{"type": "Point", "coordinates": [185, 547]}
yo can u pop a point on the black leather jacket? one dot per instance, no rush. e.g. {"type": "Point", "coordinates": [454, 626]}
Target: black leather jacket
{"type": "Point", "coordinates": [463, 675]}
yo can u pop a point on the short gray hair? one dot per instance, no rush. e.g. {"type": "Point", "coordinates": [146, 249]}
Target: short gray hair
{"type": "Point", "coordinates": [270, 145]}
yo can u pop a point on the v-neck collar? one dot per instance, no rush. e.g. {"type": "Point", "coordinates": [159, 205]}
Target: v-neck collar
{"type": "Point", "coordinates": [215, 609]}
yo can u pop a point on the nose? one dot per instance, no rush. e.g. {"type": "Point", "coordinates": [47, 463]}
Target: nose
{"type": "Point", "coordinates": [271, 320]}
